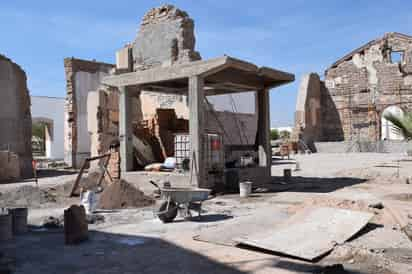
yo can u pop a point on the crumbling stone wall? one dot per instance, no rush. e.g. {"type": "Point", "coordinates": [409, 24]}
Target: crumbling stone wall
{"type": "Point", "coordinates": [308, 112]}
{"type": "Point", "coordinates": [361, 85]}
{"type": "Point", "coordinates": [81, 77]}
{"type": "Point", "coordinates": [103, 119]}
{"type": "Point", "coordinates": [15, 120]}
{"type": "Point", "coordinates": [367, 82]}
{"type": "Point", "coordinates": [166, 37]}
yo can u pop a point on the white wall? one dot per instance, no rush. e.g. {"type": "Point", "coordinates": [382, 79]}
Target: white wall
{"type": "Point", "coordinates": [387, 127]}
{"type": "Point", "coordinates": [51, 108]}
{"type": "Point", "coordinates": [84, 83]}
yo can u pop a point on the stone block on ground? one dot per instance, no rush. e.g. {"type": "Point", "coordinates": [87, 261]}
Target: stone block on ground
{"type": "Point", "coordinates": [75, 225]}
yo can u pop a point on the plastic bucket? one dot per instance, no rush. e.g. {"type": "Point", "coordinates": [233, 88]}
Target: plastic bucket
{"type": "Point", "coordinates": [245, 188]}
{"type": "Point", "coordinates": [88, 201]}
{"type": "Point", "coordinates": [19, 216]}
{"type": "Point", "coordinates": [6, 226]}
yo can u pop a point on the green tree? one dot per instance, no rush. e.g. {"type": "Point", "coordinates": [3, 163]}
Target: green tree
{"type": "Point", "coordinates": [38, 130]}
{"type": "Point", "coordinates": [284, 134]}
{"type": "Point", "coordinates": [401, 124]}
{"type": "Point", "coordinates": [274, 134]}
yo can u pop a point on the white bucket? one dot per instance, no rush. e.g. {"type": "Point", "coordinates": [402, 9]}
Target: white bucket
{"type": "Point", "coordinates": [245, 188]}
{"type": "Point", "coordinates": [89, 201]}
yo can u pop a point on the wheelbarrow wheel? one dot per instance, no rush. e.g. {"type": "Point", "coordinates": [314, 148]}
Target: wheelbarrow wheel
{"type": "Point", "coordinates": [170, 214]}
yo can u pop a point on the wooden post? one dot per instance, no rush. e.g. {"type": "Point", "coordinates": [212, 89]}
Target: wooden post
{"type": "Point", "coordinates": [265, 151]}
{"type": "Point", "coordinates": [196, 130]}
{"type": "Point", "coordinates": [125, 131]}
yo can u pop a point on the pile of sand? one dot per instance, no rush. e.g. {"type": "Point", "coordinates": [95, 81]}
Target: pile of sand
{"type": "Point", "coordinates": [26, 196]}
{"type": "Point", "coordinates": [122, 194]}
{"type": "Point", "coordinates": [87, 182]}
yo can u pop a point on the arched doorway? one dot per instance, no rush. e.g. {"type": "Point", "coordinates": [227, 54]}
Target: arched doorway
{"type": "Point", "coordinates": [387, 133]}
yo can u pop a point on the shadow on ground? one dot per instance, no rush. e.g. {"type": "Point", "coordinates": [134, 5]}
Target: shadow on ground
{"type": "Point", "coordinates": [309, 184]}
{"type": "Point", "coordinates": [45, 173]}
{"type": "Point", "coordinates": [45, 252]}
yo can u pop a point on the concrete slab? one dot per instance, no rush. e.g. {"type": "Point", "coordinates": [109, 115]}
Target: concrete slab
{"type": "Point", "coordinates": [310, 233]}
{"type": "Point", "coordinates": [258, 221]}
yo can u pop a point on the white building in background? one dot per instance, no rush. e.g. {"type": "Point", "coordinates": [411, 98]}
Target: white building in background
{"type": "Point", "coordinates": [387, 132]}
{"type": "Point", "coordinates": [50, 110]}
{"type": "Point", "coordinates": [288, 129]}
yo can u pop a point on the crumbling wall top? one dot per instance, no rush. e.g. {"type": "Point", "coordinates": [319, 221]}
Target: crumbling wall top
{"type": "Point", "coordinates": [166, 37]}
{"type": "Point", "coordinates": [162, 14]}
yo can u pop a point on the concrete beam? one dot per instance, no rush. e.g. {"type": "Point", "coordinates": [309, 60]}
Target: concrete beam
{"type": "Point", "coordinates": [125, 130]}
{"type": "Point", "coordinates": [196, 130]}
{"type": "Point", "coordinates": [263, 132]}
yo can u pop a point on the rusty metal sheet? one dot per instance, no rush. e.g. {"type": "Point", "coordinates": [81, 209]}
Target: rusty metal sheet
{"type": "Point", "coordinates": [310, 233]}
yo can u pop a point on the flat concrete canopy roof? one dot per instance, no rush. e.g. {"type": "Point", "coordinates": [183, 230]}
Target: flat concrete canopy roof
{"type": "Point", "coordinates": [221, 75]}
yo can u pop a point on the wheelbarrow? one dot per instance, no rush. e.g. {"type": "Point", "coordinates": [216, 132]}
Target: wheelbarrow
{"type": "Point", "coordinates": [180, 200]}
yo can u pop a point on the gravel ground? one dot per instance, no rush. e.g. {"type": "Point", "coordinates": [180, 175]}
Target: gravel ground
{"type": "Point", "coordinates": [134, 241]}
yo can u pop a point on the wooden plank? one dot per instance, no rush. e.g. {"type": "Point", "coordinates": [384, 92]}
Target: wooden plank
{"type": "Point", "coordinates": [311, 233]}
{"type": "Point", "coordinates": [79, 176]}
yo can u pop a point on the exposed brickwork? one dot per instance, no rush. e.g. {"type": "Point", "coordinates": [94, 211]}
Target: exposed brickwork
{"type": "Point", "coordinates": [71, 66]}
{"type": "Point", "coordinates": [360, 86]}
{"type": "Point", "coordinates": [363, 85]}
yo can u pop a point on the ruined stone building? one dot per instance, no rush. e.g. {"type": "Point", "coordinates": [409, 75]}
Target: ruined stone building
{"type": "Point", "coordinates": [165, 38]}
{"type": "Point", "coordinates": [15, 122]}
{"type": "Point", "coordinates": [81, 77]}
{"type": "Point", "coordinates": [349, 104]}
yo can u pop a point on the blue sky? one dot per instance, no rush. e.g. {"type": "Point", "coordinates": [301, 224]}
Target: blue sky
{"type": "Point", "coordinates": [298, 36]}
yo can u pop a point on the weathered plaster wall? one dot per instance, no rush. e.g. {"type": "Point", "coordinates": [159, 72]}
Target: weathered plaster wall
{"type": "Point", "coordinates": [15, 117]}
{"type": "Point", "coordinates": [360, 86]}
{"type": "Point", "coordinates": [368, 82]}
{"type": "Point", "coordinates": [51, 109]}
{"type": "Point", "coordinates": [81, 77]}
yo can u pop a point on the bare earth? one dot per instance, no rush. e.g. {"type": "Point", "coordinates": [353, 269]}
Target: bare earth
{"type": "Point", "coordinates": [134, 241]}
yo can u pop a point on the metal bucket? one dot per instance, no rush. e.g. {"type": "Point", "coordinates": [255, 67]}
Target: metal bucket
{"type": "Point", "coordinates": [245, 188]}
{"type": "Point", "coordinates": [6, 226]}
{"type": "Point", "coordinates": [19, 219]}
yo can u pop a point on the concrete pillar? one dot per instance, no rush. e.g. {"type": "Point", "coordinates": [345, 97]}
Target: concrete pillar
{"type": "Point", "coordinates": [263, 132]}
{"type": "Point", "coordinates": [196, 130]}
{"type": "Point", "coordinates": [125, 130]}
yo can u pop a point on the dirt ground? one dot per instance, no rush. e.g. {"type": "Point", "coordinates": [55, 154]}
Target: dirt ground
{"type": "Point", "coordinates": [135, 241]}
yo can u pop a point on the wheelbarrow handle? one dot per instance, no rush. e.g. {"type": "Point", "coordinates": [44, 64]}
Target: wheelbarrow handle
{"type": "Point", "coordinates": [156, 185]}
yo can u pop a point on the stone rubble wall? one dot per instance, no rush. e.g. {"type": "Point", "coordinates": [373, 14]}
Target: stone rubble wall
{"type": "Point", "coordinates": [166, 37]}
{"type": "Point", "coordinates": [15, 117]}
{"type": "Point", "coordinates": [363, 86]}
{"type": "Point", "coordinates": [358, 88]}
